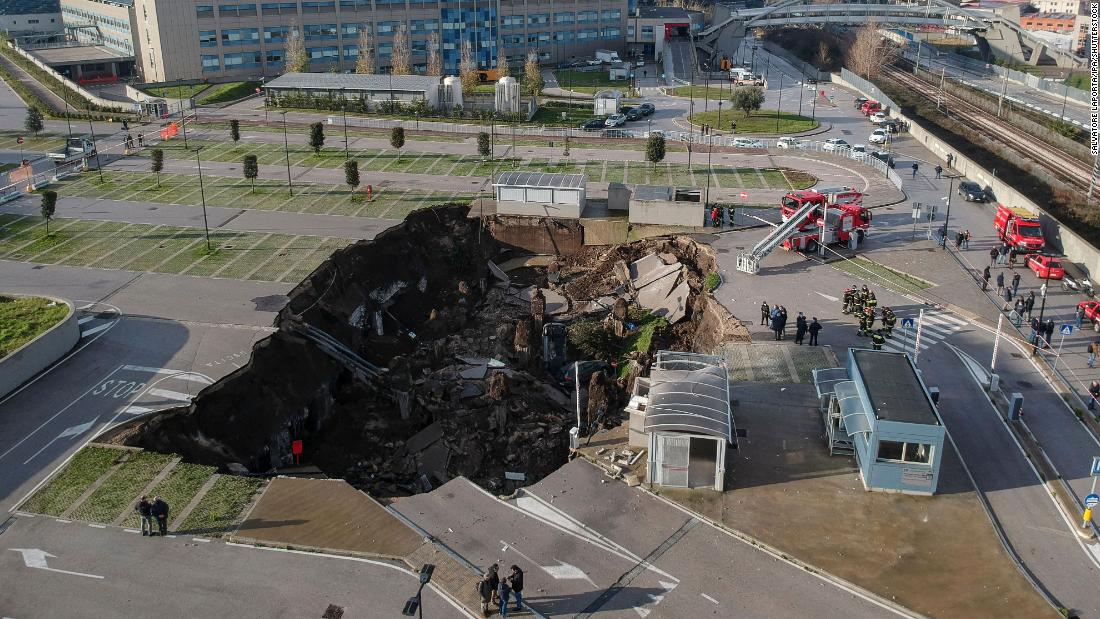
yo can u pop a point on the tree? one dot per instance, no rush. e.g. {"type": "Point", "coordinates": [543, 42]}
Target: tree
{"type": "Point", "coordinates": [251, 170]}
{"type": "Point", "coordinates": [532, 75]}
{"type": "Point", "coordinates": [365, 63]}
{"type": "Point", "coordinates": [593, 338]}
{"type": "Point", "coordinates": [869, 52]}
{"type": "Point", "coordinates": [748, 99]}
{"type": "Point", "coordinates": [467, 69]}
{"type": "Point", "coordinates": [824, 56]}
{"type": "Point", "coordinates": [317, 137]}
{"type": "Point", "coordinates": [484, 145]}
{"type": "Point", "coordinates": [49, 205]}
{"type": "Point", "coordinates": [297, 58]}
{"type": "Point", "coordinates": [351, 173]}
{"type": "Point", "coordinates": [502, 62]}
{"type": "Point", "coordinates": [655, 148]}
{"type": "Point", "coordinates": [400, 63]}
{"type": "Point", "coordinates": [435, 60]}
{"type": "Point", "coordinates": [156, 164]}
{"type": "Point", "coordinates": [34, 120]}
{"type": "Point", "coordinates": [397, 139]}
{"type": "Point", "coordinates": [235, 130]}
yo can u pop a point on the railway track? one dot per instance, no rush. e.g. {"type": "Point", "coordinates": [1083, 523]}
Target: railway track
{"type": "Point", "coordinates": [1054, 161]}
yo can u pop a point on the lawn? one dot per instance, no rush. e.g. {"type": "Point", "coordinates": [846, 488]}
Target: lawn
{"type": "Point", "coordinates": [230, 91]}
{"type": "Point", "coordinates": [221, 507]}
{"type": "Point", "coordinates": [589, 81]}
{"type": "Point", "coordinates": [24, 318]}
{"type": "Point", "coordinates": [122, 488]}
{"type": "Point", "coordinates": [177, 92]}
{"type": "Point", "coordinates": [82, 471]}
{"type": "Point", "coordinates": [1080, 81]}
{"type": "Point", "coordinates": [761, 122]}
{"type": "Point", "coordinates": [867, 269]}
{"type": "Point", "coordinates": [702, 92]}
{"type": "Point", "coordinates": [181, 485]}
{"type": "Point", "coordinates": [547, 115]}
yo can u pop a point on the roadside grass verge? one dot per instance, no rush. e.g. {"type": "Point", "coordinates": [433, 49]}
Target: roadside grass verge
{"type": "Point", "coordinates": [220, 509]}
{"type": "Point", "coordinates": [701, 92]}
{"type": "Point", "coordinates": [82, 471]}
{"type": "Point", "coordinates": [177, 92]}
{"type": "Point", "coordinates": [24, 318]}
{"type": "Point", "coordinates": [181, 485]}
{"type": "Point", "coordinates": [761, 122]}
{"type": "Point", "coordinates": [589, 81]}
{"type": "Point", "coordinates": [798, 179]}
{"type": "Point", "coordinates": [867, 269]}
{"type": "Point", "coordinates": [122, 487]}
{"type": "Point", "coordinates": [224, 93]}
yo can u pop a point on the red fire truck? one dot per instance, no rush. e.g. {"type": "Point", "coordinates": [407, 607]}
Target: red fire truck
{"type": "Point", "coordinates": [1020, 228]}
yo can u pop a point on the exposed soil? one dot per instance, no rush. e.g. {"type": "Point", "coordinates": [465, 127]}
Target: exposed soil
{"type": "Point", "coordinates": [402, 362]}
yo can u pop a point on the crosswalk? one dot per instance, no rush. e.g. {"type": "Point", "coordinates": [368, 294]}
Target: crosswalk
{"type": "Point", "coordinates": [936, 326]}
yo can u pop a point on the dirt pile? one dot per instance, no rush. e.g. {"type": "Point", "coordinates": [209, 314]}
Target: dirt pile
{"type": "Point", "coordinates": [410, 359]}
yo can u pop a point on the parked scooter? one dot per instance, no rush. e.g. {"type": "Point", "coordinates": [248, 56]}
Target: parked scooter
{"type": "Point", "coordinates": [1082, 285]}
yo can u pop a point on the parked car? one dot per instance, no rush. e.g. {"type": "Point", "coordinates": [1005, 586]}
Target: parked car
{"type": "Point", "coordinates": [1092, 312]}
{"type": "Point", "coordinates": [615, 120]}
{"type": "Point", "coordinates": [884, 157]}
{"type": "Point", "coordinates": [595, 124]}
{"type": "Point", "coordinates": [647, 109]}
{"type": "Point", "coordinates": [568, 372]}
{"type": "Point", "coordinates": [1046, 267]}
{"type": "Point", "coordinates": [639, 62]}
{"type": "Point", "coordinates": [748, 143]}
{"type": "Point", "coordinates": [859, 102]}
{"type": "Point", "coordinates": [655, 132]}
{"type": "Point", "coordinates": [634, 113]}
{"type": "Point", "coordinates": [834, 144]}
{"type": "Point", "coordinates": [789, 142]}
{"type": "Point", "coordinates": [858, 152]}
{"type": "Point", "coordinates": [878, 136]}
{"type": "Point", "coordinates": [891, 126]}
{"type": "Point", "coordinates": [973, 192]}
{"type": "Point", "coordinates": [878, 117]}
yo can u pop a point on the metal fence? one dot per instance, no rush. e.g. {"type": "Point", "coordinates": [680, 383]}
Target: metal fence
{"type": "Point", "coordinates": [868, 88]}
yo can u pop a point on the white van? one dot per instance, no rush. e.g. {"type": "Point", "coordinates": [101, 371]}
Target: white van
{"type": "Point", "coordinates": [789, 142]}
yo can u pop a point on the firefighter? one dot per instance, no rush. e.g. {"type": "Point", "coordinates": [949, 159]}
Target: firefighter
{"type": "Point", "coordinates": [871, 300]}
{"type": "Point", "coordinates": [870, 312]}
{"type": "Point", "coordinates": [864, 294]}
{"type": "Point", "coordinates": [877, 340]}
{"type": "Point", "coordinates": [849, 292]}
{"type": "Point", "coordinates": [857, 303]}
{"type": "Point", "coordinates": [862, 324]}
{"type": "Point", "coordinates": [888, 320]}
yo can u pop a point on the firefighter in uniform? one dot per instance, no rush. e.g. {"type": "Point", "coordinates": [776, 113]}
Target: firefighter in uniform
{"type": "Point", "coordinates": [871, 300]}
{"type": "Point", "coordinates": [888, 320]}
{"type": "Point", "coordinates": [864, 294]}
{"type": "Point", "coordinates": [857, 303]}
{"type": "Point", "coordinates": [849, 292]}
{"type": "Point", "coordinates": [877, 340]}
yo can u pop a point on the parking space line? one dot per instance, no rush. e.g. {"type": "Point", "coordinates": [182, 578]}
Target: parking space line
{"type": "Point", "coordinates": [169, 394]}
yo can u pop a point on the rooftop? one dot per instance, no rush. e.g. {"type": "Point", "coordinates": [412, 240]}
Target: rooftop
{"type": "Point", "coordinates": [541, 180]}
{"type": "Point", "coordinates": [78, 53]}
{"type": "Point", "coordinates": [29, 7]}
{"type": "Point", "coordinates": [664, 193]}
{"type": "Point", "coordinates": [340, 81]}
{"type": "Point", "coordinates": [689, 393]}
{"type": "Point", "coordinates": [663, 12]}
{"type": "Point", "coordinates": [895, 391]}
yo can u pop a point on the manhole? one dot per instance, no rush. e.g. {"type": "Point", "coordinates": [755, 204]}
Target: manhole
{"type": "Point", "coordinates": [333, 612]}
{"type": "Point", "coordinates": [1024, 383]}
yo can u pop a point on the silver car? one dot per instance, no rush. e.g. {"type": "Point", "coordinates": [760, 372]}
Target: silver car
{"type": "Point", "coordinates": [748, 143]}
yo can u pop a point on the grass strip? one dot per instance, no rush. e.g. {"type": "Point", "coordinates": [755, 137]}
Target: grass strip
{"type": "Point", "coordinates": [218, 511]}
{"type": "Point", "coordinates": [82, 471]}
{"type": "Point", "coordinates": [24, 318]}
{"type": "Point", "coordinates": [181, 485]}
{"type": "Point", "coordinates": [122, 488]}
{"type": "Point", "coordinates": [867, 269]}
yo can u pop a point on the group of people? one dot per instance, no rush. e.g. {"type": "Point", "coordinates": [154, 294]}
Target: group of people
{"type": "Point", "coordinates": [1004, 254]}
{"type": "Point", "coordinates": [494, 589]}
{"type": "Point", "coordinates": [962, 239]}
{"type": "Point", "coordinates": [776, 319]}
{"type": "Point", "coordinates": [150, 510]}
{"type": "Point", "coordinates": [861, 302]}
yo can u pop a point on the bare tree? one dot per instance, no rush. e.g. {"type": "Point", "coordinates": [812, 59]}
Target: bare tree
{"type": "Point", "coordinates": [870, 52]}
{"type": "Point", "coordinates": [467, 69]}
{"type": "Point", "coordinates": [502, 62]}
{"type": "Point", "coordinates": [824, 56]}
{"type": "Point", "coordinates": [297, 58]}
{"type": "Point", "coordinates": [435, 60]}
{"type": "Point", "coordinates": [365, 64]}
{"type": "Point", "coordinates": [400, 62]}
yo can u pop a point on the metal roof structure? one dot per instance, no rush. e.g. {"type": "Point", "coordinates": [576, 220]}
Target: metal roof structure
{"type": "Point", "coordinates": [341, 81]}
{"type": "Point", "coordinates": [540, 180]}
{"type": "Point", "coordinates": [689, 392]}
{"type": "Point", "coordinates": [895, 391]}
{"type": "Point", "coordinates": [78, 53]}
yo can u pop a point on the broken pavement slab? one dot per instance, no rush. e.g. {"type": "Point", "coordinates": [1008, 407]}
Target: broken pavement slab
{"type": "Point", "coordinates": [650, 269]}
{"type": "Point", "coordinates": [555, 303]}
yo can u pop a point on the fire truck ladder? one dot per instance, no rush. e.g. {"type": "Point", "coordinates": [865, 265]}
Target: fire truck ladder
{"type": "Point", "coordinates": [750, 262]}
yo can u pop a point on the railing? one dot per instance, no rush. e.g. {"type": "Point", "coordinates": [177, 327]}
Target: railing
{"type": "Point", "coordinates": [868, 88]}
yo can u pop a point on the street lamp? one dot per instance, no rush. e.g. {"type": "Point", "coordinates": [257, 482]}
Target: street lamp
{"type": "Point", "coordinates": [286, 149]}
{"type": "Point", "coordinates": [720, 102]}
{"type": "Point", "coordinates": [98, 167]}
{"type": "Point", "coordinates": [779, 104]}
{"type": "Point", "coordinates": [344, 113]}
{"type": "Point", "coordinates": [202, 194]}
{"type": "Point", "coordinates": [183, 115]}
{"type": "Point", "coordinates": [947, 218]}
{"type": "Point", "coordinates": [413, 606]}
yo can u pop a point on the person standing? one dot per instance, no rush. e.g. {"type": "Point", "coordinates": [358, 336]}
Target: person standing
{"type": "Point", "coordinates": [1015, 283]}
{"type": "Point", "coordinates": [939, 170]}
{"type": "Point", "coordinates": [1029, 303]}
{"type": "Point", "coordinates": [765, 313]}
{"type": "Point", "coordinates": [777, 325]}
{"type": "Point", "coordinates": [814, 329]}
{"type": "Point", "coordinates": [503, 593]}
{"type": "Point", "coordinates": [144, 509]}
{"type": "Point", "coordinates": [877, 340]}
{"type": "Point", "coordinates": [993, 255]}
{"type": "Point", "coordinates": [515, 579]}
{"type": "Point", "coordinates": [782, 322]}
{"type": "Point", "coordinates": [160, 511]}
{"type": "Point", "coordinates": [1012, 253]}
{"type": "Point", "coordinates": [1000, 284]}
{"type": "Point", "coordinates": [1092, 348]}
{"type": "Point", "coordinates": [714, 217]}
{"type": "Point", "coordinates": [1080, 316]}
{"type": "Point", "coordinates": [1019, 309]}
{"type": "Point", "coordinates": [800, 329]}
{"type": "Point", "coordinates": [966, 239]}
{"type": "Point", "coordinates": [1036, 326]}
{"type": "Point", "coordinates": [985, 279]}
{"type": "Point", "coordinates": [485, 591]}
{"type": "Point", "coordinates": [1094, 393]}
{"type": "Point", "coordinates": [1049, 329]}
{"type": "Point", "coordinates": [915, 166]}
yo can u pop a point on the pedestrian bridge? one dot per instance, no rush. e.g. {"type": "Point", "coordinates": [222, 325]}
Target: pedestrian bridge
{"type": "Point", "coordinates": [1001, 36]}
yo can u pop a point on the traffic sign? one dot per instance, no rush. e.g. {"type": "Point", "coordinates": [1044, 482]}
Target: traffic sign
{"type": "Point", "coordinates": [19, 140]}
{"type": "Point", "coordinates": [1092, 500]}
{"type": "Point", "coordinates": [1066, 329]}
{"type": "Point", "coordinates": [1095, 472]}
{"type": "Point", "coordinates": [906, 323]}
{"type": "Point", "coordinates": [744, 195]}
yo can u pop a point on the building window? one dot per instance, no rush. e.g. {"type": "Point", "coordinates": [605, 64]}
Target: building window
{"type": "Point", "coordinates": [351, 52]}
{"type": "Point", "coordinates": [511, 21]}
{"type": "Point", "coordinates": [204, 10]}
{"type": "Point", "coordinates": [544, 56]}
{"type": "Point", "coordinates": [319, 7]}
{"type": "Point", "coordinates": [418, 26]}
{"type": "Point", "coordinates": [513, 40]}
{"type": "Point", "coordinates": [274, 56]}
{"type": "Point", "coordinates": [563, 18]}
{"type": "Point", "coordinates": [538, 18]}
{"type": "Point", "coordinates": [916, 453]}
{"type": "Point", "coordinates": [320, 32]}
{"type": "Point", "coordinates": [385, 50]}
{"type": "Point", "coordinates": [586, 16]}
{"type": "Point", "coordinates": [563, 35]}
{"type": "Point", "coordinates": [233, 10]}
{"type": "Point", "coordinates": [647, 31]}
{"type": "Point", "coordinates": [241, 60]}
{"type": "Point", "coordinates": [351, 31]}
{"type": "Point", "coordinates": [276, 34]}
{"type": "Point", "coordinates": [355, 4]}
{"type": "Point", "coordinates": [612, 15]}
{"type": "Point", "coordinates": [611, 33]}
{"type": "Point", "coordinates": [208, 38]}
{"type": "Point", "coordinates": [280, 8]}
{"type": "Point", "coordinates": [211, 64]}
{"type": "Point", "coordinates": [240, 36]}
{"type": "Point", "coordinates": [535, 38]}
{"type": "Point", "coordinates": [323, 53]}
{"type": "Point", "coordinates": [387, 27]}
{"type": "Point", "coordinates": [588, 33]}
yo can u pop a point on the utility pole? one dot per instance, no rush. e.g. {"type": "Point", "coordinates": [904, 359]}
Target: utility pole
{"type": "Point", "coordinates": [98, 167]}
{"type": "Point", "coordinates": [344, 113]}
{"type": "Point", "coordinates": [947, 218]}
{"type": "Point", "coordinates": [916, 68]}
{"type": "Point", "coordinates": [1004, 91]}
{"type": "Point", "coordinates": [286, 149]}
{"type": "Point", "coordinates": [202, 193]}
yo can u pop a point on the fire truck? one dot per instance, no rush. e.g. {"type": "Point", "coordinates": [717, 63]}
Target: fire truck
{"type": "Point", "coordinates": [1019, 227]}
{"type": "Point", "coordinates": [811, 218]}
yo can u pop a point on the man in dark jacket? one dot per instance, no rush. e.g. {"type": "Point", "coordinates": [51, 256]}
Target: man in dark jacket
{"type": "Point", "coordinates": [985, 278]}
{"type": "Point", "coordinates": [777, 323]}
{"type": "Point", "coordinates": [503, 593]}
{"type": "Point", "coordinates": [800, 329]}
{"type": "Point", "coordinates": [814, 329]}
{"type": "Point", "coordinates": [1048, 329]}
{"type": "Point", "coordinates": [1000, 283]}
{"type": "Point", "coordinates": [1094, 393]}
{"type": "Point", "coordinates": [1029, 303]}
{"type": "Point", "coordinates": [159, 511]}
{"type": "Point", "coordinates": [993, 253]}
{"type": "Point", "coordinates": [516, 581]}
{"type": "Point", "coordinates": [485, 591]}
{"type": "Point", "coordinates": [1015, 283]}
{"type": "Point", "coordinates": [144, 509]}
{"type": "Point", "coordinates": [765, 313]}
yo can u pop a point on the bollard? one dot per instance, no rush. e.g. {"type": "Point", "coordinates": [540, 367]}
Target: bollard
{"type": "Point", "coordinates": [994, 382]}
{"type": "Point", "coordinates": [1015, 406]}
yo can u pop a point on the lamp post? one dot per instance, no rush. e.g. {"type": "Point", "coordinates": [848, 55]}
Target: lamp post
{"type": "Point", "coordinates": [691, 129]}
{"type": "Point", "coordinates": [413, 606]}
{"type": "Point", "coordinates": [802, 87]}
{"type": "Point", "coordinates": [1042, 307]}
{"type": "Point", "coordinates": [67, 120]}
{"type": "Point", "coordinates": [183, 116]}
{"type": "Point", "coordinates": [286, 149]}
{"type": "Point", "coordinates": [344, 114]}
{"type": "Point", "coordinates": [947, 218]}
{"type": "Point", "coordinates": [710, 172]}
{"type": "Point", "coordinates": [720, 102]}
{"type": "Point", "coordinates": [98, 167]}
{"type": "Point", "coordinates": [1065, 97]}
{"type": "Point", "coordinates": [779, 104]}
{"type": "Point", "coordinates": [813, 116]}
{"type": "Point", "coordinates": [202, 195]}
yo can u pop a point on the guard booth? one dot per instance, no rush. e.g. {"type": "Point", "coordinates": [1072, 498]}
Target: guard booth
{"type": "Point", "coordinates": [681, 413]}
{"type": "Point", "coordinates": [156, 108]}
{"type": "Point", "coordinates": [879, 408]}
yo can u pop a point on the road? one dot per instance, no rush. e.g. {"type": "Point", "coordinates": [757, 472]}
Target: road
{"type": "Point", "coordinates": [94, 572]}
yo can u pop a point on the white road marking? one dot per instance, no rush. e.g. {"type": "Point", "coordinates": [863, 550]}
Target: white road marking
{"type": "Point", "coordinates": [137, 410]}
{"type": "Point", "coordinates": [170, 395]}
{"type": "Point", "coordinates": [24, 514]}
{"type": "Point", "coordinates": [562, 571]}
{"type": "Point", "coordinates": [35, 558]}
{"type": "Point", "coordinates": [84, 307]}
{"type": "Point", "coordinates": [95, 330]}
{"type": "Point", "coordinates": [131, 530]}
{"type": "Point", "coordinates": [200, 539]}
{"type": "Point", "coordinates": [62, 520]}
{"type": "Point", "coordinates": [707, 597]}
{"type": "Point", "coordinates": [97, 526]}
{"type": "Point", "coordinates": [829, 297]}
{"type": "Point", "coordinates": [72, 431]}
{"type": "Point", "coordinates": [180, 374]}
{"type": "Point", "coordinates": [86, 319]}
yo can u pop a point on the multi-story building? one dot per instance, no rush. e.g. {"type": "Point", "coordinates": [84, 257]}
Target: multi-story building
{"type": "Point", "coordinates": [26, 17]}
{"type": "Point", "coordinates": [219, 39]}
{"type": "Point", "coordinates": [1077, 7]}
{"type": "Point", "coordinates": [1061, 23]}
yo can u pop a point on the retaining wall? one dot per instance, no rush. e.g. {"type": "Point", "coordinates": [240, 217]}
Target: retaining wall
{"type": "Point", "coordinates": [71, 85]}
{"type": "Point", "coordinates": [1058, 235]}
{"type": "Point", "coordinates": [38, 354]}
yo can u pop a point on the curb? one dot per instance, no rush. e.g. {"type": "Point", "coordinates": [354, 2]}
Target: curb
{"type": "Point", "coordinates": [27, 361]}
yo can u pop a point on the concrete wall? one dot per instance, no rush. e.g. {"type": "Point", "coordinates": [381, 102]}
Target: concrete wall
{"type": "Point", "coordinates": [539, 235]}
{"type": "Point", "coordinates": [538, 209]}
{"type": "Point", "coordinates": [37, 355]}
{"type": "Point", "coordinates": [1059, 237]}
{"type": "Point", "coordinates": [667, 213]}
{"type": "Point", "coordinates": [30, 23]}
